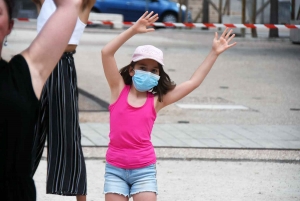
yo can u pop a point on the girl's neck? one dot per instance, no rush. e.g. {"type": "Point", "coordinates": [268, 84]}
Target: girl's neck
{"type": "Point", "coordinates": [135, 98]}
{"type": "Point", "coordinates": [137, 93]}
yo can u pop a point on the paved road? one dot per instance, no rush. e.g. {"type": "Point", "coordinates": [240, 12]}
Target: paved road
{"type": "Point", "coordinates": [202, 180]}
{"type": "Point", "coordinates": [260, 74]}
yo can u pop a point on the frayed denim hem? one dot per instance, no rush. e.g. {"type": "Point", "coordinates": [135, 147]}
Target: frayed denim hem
{"type": "Point", "coordinates": [116, 193]}
{"type": "Point", "coordinates": [131, 194]}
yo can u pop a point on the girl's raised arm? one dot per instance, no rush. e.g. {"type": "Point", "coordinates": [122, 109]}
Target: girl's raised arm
{"type": "Point", "coordinates": [88, 4]}
{"type": "Point", "coordinates": [38, 4]}
{"type": "Point", "coordinates": [47, 48]}
{"type": "Point", "coordinates": [219, 45]}
{"type": "Point", "coordinates": [111, 71]}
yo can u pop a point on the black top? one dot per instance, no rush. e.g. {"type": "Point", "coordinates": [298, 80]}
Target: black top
{"type": "Point", "coordinates": [18, 112]}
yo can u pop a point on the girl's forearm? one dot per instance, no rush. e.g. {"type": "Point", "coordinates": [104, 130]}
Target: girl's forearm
{"type": "Point", "coordinates": [112, 47]}
{"type": "Point", "coordinates": [202, 71]}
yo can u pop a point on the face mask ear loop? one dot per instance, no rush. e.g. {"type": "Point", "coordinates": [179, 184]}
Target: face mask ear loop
{"type": "Point", "coordinates": [151, 91]}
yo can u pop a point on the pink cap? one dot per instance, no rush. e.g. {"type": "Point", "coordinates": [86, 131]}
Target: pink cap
{"type": "Point", "coordinates": [148, 52]}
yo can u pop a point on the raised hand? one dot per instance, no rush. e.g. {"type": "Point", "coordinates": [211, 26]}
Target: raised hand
{"type": "Point", "coordinates": [221, 44]}
{"type": "Point", "coordinates": [143, 23]}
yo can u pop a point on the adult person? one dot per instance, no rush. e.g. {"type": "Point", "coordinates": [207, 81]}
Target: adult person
{"type": "Point", "coordinates": [21, 82]}
{"type": "Point", "coordinates": [58, 120]}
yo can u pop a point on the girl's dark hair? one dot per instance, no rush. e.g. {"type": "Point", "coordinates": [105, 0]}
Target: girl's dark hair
{"type": "Point", "coordinates": [165, 84]}
{"type": "Point", "coordinates": [10, 7]}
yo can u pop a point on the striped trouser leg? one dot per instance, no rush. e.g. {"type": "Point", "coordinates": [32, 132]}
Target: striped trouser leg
{"type": "Point", "coordinates": [66, 171]}
{"type": "Point", "coordinates": [41, 130]}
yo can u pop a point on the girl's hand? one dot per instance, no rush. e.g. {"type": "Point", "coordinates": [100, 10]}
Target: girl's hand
{"type": "Point", "coordinates": [146, 20]}
{"type": "Point", "coordinates": [221, 44]}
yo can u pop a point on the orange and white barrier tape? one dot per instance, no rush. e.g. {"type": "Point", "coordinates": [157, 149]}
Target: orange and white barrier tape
{"type": "Point", "coordinates": [191, 25]}
{"type": "Point", "coordinates": [214, 25]}
{"type": "Point", "coordinates": [24, 20]}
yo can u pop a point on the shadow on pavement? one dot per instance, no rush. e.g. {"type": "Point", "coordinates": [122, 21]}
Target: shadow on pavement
{"type": "Point", "coordinates": [90, 103]}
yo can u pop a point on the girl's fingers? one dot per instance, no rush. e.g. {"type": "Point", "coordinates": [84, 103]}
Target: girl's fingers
{"type": "Point", "coordinates": [153, 19]}
{"type": "Point", "coordinates": [233, 44]}
{"type": "Point", "coordinates": [143, 16]}
{"type": "Point", "coordinates": [149, 15]}
{"type": "Point", "coordinates": [228, 34]}
{"type": "Point", "coordinates": [154, 16]}
{"type": "Point", "coordinates": [216, 36]}
{"type": "Point", "coordinates": [150, 29]}
{"type": "Point", "coordinates": [224, 32]}
{"type": "Point", "coordinates": [231, 37]}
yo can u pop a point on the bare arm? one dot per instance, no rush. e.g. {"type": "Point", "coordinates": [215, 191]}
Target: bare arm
{"type": "Point", "coordinates": [38, 4]}
{"type": "Point", "coordinates": [47, 48]}
{"type": "Point", "coordinates": [219, 45]}
{"type": "Point", "coordinates": [111, 71]}
{"type": "Point", "coordinates": [86, 8]}
{"type": "Point", "coordinates": [88, 4]}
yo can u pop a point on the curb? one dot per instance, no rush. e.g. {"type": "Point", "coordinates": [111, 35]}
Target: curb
{"type": "Point", "coordinates": [233, 155]}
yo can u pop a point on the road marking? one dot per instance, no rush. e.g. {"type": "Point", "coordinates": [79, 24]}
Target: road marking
{"type": "Point", "coordinates": [213, 107]}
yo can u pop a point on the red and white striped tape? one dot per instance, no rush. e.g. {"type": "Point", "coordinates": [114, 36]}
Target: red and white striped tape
{"type": "Point", "coordinates": [24, 20]}
{"type": "Point", "coordinates": [191, 25]}
{"type": "Point", "coordinates": [213, 25]}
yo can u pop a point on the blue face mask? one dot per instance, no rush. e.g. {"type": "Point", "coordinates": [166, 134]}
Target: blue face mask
{"type": "Point", "coordinates": [144, 81]}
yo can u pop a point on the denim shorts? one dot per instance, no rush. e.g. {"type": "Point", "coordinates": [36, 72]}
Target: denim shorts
{"type": "Point", "coordinates": [128, 182]}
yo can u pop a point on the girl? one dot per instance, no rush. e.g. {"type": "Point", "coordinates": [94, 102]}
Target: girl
{"type": "Point", "coordinates": [130, 168]}
{"type": "Point", "coordinates": [58, 117]}
{"type": "Point", "coordinates": [21, 83]}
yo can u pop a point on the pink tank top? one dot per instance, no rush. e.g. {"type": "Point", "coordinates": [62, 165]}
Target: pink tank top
{"type": "Point", "coordinates": [130, 144]}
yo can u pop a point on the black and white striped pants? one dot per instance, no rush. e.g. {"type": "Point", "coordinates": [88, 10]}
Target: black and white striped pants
{"type": "Point", "coordinates": [59, 122]}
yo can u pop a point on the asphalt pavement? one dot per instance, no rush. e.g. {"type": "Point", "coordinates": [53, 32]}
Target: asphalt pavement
{"type": "Point", "coordinates": [236, 137]}
{"type": "Point", "coordinates": [198, 180]}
